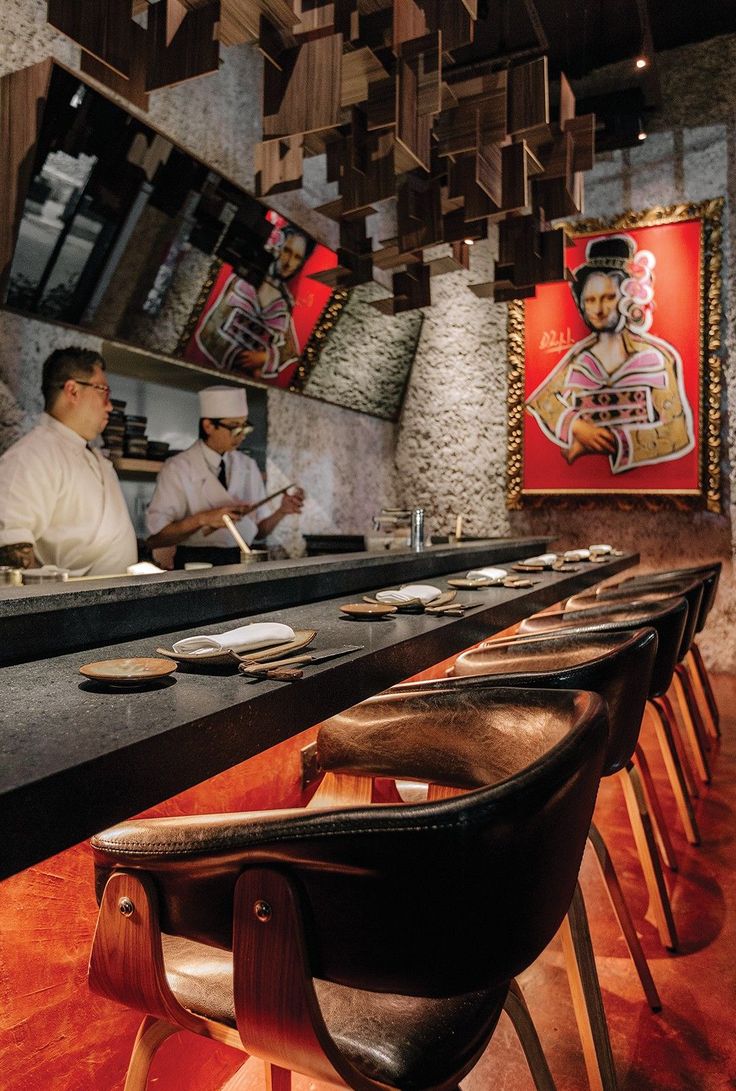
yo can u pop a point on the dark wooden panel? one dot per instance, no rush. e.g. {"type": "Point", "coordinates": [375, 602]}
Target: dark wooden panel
{"type": "Point", "coordinates": [411, 289]}
{"type": "Point", "coordinates": [582, 130]}
{"type": "Point", "coordinates": [519, 248]}
{"type": "Point", "coordinates": [452, 19]}
{"type": "Point", "coordinates": [101, 27]}
{"type": "Point", "coordinates": [278, 165]}
{"type": "Point", "coordinates": [528, 96]}
{"type": "Point", "coordinates": [552, 245]}
{"type": "Point", "coordinates": [418, 213]}
{"type": "Point", "coordinates": [515, 179]}
{"type": "Point", "coordinates": [305, 96]}
{"type": "Point", "coordinates": [408, 23]}
{"type": "Point", "coordinates": [22, 101]}
{"type": "Point", "coordinates": [418, 83]}
{"type": "Point", "coordinates": [181, 48]}
{"type": "Point", "coordinates": [132, 89]}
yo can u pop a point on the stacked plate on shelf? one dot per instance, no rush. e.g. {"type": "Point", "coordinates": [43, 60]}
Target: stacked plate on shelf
{"type": "Point", "coordinates": [114, 434]}
{"type": "Point", "coordinates": [136, 440]}
{"type": "Point", "coordinates": [158, 451]}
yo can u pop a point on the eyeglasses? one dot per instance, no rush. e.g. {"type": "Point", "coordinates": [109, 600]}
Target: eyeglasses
{"type": "Point", "coordinates": [234, 429]}
{"type": "Point", "coordinates": [95, 386]}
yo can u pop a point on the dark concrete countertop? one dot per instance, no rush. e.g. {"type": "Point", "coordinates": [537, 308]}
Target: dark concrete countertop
{"type": "Point", "coordinates": [52, 619]}
{"type": "Point", "coordinates": [76, 757]}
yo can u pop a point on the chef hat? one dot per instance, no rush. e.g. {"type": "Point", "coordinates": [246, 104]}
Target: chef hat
{"type": "Point", "coordinates": [217, 402]}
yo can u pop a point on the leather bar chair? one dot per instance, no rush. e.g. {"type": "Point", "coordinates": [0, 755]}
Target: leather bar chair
{"type": "Point", "coordinates": [368, 946]}
{"type": "Point", "coordinates": [693, 663]}
{"type": "Point", "coordinates": [669, 619]}
{"type": "Point", "coordinates": [618, 666]}
{"type": "Point", "coordinates": [681, 696]}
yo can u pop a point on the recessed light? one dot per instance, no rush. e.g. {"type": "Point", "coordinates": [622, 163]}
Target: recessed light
{"type": "Point", "coordinates": [468, 242]}
{"type": "Point", "coordinates": [642, 135]}
{"type": "Point", "coordinates": [641, 62]}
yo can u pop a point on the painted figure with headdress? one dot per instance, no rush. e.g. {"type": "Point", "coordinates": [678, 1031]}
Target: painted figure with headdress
{"type": "Point", "coordinates": [618, 392]}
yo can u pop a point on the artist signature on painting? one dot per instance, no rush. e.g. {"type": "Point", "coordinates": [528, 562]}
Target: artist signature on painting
{"type": "Point", "coordinates": [556, 340]}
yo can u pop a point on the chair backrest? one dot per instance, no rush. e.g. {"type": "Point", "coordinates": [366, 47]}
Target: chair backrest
{"type": "Point", "coordinates": [616, 665]}
{"type": "Point", "coordinates": [691, 590]}
{"type": "Point", "coordinates": [709, 577]}
{"type": "Point", "coordinates": [433, 899]}
{"type": "Point", "coordinates": [711, 572]}
{"type": "Point", "coordinates": [668, 619]}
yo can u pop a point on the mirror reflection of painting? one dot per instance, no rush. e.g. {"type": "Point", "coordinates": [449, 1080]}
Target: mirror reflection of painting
{"type": "Point", "coordinates": [619, 391]}
{"type": "Point", "coordinates": [248, 325]}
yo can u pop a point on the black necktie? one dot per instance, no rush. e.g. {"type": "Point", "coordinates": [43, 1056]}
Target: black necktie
{"type": "Point", "coordinates": [221, 474]}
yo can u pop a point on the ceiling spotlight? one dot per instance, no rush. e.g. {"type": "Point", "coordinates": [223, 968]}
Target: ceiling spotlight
{"type": "Point", "coordinates": [468, 242]}
{"type": "Point", "coordinates": [642, 135]}
{"type": "Point", "coordinates": [641, 62]}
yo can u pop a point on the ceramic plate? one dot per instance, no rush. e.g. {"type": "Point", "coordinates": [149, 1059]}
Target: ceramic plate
{"type": "Point", "coordinates": [127, 672]}
{"type": "Point", "coordinates": [302, 637]}
{"type": "Point", "coordinates": [414, 605]}
{"type": "Point", "coordinates": [368, 610]}
{"type": "Point", "coordinates": [469, 585]}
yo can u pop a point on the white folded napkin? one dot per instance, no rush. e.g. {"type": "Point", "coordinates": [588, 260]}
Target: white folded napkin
{"type": "Point", "coordinates": [422, 591]}
{"type": "Point", "coordinates": [487, 574]}
{"type": "Point", "coordinates": [543, 558]}
{"type": "Point", "coordinates": [257, 635]}
{"type": "Point", "coordinates": [576, 555]}
{"type": "Point", "coordinates": [142, 568]}
{"type": "Point", "coordinates": [601, 549]}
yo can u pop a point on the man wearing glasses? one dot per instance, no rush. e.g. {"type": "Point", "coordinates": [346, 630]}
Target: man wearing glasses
{"type": "Point", "coordinates": [209, 480]}
{"type": "Point", "coordinates": [60, 500]}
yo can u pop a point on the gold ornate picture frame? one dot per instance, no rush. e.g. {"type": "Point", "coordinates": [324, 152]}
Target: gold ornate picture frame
{"type": "Point", "coordinates": [622, 363]}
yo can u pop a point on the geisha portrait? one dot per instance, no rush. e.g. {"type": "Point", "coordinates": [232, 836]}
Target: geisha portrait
{"type": "Point", "coordinates": [248, 328]}
{"type": "Point", "coordinates": [619, 391]}
{"type": "Point", "coordinates": [257, 326]}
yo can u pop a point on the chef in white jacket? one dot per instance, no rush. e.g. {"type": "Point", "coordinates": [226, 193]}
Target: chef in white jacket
{"type": "Point", "coordinates": [60, 500]}
{"type": "Point", "coordinates": [196, 488]}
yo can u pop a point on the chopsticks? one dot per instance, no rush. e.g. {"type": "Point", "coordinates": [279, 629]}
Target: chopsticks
{"type": "Point", "coordinates": [244, 547]}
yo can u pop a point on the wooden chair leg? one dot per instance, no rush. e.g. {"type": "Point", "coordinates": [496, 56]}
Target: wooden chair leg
{"type": "Point", "coordinates": [675, 772]}
{"type": "Point", "coordinates": [277, 1079]}
{"type": "Point", "coordinates": [586, 997]}
{"type": "Point", "coordinates": [705, 681]}
{"type": "Point", "coordinates": [621, 909]}
{"type": "Point", "coordinates": [691, 727]}
{"type": "Point", "coordinates": [151, 1034]}
{"type": "Point", "coordinates": [700, 696]}
{"type": "Point", "coordinates": [659, 824]}
{"type": "Point", "coordinates": [641, 826]}
{"type": "Point", "coordinates": [517, 1011]}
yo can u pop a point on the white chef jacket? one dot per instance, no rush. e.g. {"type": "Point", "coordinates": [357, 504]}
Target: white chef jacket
{"type": "Point", "coordinates": [188, 483]}
{"type": "Point", "coordinates": [65, 500]}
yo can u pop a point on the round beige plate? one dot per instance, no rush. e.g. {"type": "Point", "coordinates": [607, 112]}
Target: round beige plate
{"type": "Point", "coordinates": [368, 610]}
{"type": "Point", "coordinates": [126, 672]}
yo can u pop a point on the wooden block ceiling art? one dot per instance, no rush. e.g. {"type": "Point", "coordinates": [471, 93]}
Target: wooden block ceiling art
{"type": "Point", "coordinates": [373, 86]}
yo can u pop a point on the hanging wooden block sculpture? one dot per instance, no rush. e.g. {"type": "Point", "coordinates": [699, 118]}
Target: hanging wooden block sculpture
{"type": "Point", "coordinates": [374, 87]}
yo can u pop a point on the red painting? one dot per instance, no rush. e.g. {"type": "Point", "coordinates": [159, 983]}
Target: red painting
{"type": "Point", "coordinates": [259, 328]}
{"type": "Point", "coordinates": [612, 365]}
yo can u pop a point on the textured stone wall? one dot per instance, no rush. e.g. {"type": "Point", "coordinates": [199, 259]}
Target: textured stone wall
{"type": "Point", "coordinates": [343, 460]}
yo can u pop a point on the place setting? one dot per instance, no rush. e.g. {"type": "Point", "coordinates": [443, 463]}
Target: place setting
{"type": "Point", "coordinates": [413, 598]}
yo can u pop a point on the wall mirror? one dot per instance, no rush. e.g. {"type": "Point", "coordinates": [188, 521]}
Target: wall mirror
{"type": "Point", "coordinates": [124, 234]}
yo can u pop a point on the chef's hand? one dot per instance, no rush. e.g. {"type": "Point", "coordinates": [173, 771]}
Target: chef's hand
{"type": "Point", "coordinates": [292, 502]}
{"type": "Point", "coordinates": [590, 439]}
{"type": "Point", "coordinates": [213, 519]}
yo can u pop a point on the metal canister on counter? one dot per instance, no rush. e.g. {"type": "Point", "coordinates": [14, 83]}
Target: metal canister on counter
{"type": "Point", "coordinates": [417, 529]}
{"type": "Point", "coordinates": [11, 576]}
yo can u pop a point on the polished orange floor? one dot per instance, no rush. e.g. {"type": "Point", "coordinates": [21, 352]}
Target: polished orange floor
{"type": "Point", "coordinates": [691, 1044]}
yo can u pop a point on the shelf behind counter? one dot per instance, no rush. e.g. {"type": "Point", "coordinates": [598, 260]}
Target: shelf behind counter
{"type": "Point", "coordinates": [54, 619]}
